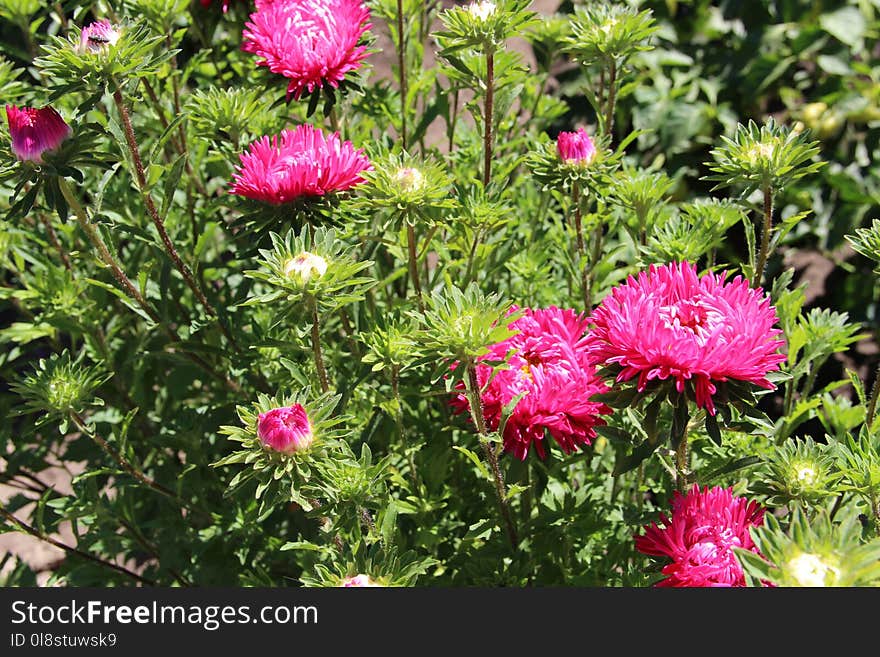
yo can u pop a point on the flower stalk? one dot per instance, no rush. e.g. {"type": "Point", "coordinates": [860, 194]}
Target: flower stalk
{"type": "Point", "coordinates": [473, 392]}
{"type": "Point", "coordinates": [764, 252]}
{"type": "Point", "coordinates": [488, 117]}
{"type": "Point", "coordinates": [316, 342]}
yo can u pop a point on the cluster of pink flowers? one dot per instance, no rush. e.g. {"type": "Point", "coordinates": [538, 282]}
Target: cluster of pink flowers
{"type": "Point", "coordinates": [298, 163]}
{"type": "Point", "coordinates": [310, 42]}
{"type": "Point", "coordinates": [700, 537]}
{"type": "Point", "coordinates": [671, 323]}
{"type": "Point", "coordinates": [550, 372]}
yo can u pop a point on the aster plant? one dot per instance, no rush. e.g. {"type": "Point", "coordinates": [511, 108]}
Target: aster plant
{"type": "Point", "coordinates": [393, 293]}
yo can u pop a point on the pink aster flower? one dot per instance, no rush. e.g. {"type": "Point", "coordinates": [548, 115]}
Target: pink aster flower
{"type": "Point", "coordinates": [700, 537]}
{"type": "Point", "coordinates": [298, 163]}
{"type": "Point", "coordinates": [310, 42]}
{"type": "Point", "coordinates": [97, 36]}
{"type": "Point", "coordinates": [358, 581]}
{"type": "Point", "coordinates": [35, 131]}
{"type": "Point", "coordinates": [575, 147]}
{"type": "Point", "coordinates": [551, 374]}
{"type": "Point", "coordinates": [286, 430]}
{"type": "Point", "coordinates": [671, 323]}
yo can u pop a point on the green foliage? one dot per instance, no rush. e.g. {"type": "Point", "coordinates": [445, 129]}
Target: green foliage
{"type": "Point", "coordinates": [694, 110]}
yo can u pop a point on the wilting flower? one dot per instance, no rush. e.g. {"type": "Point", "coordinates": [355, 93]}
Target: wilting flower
{"type": "Point", "coordinates": [305, 265]}
{"type": "Point", "coordinates": [575, 147]}
{"type": "Point", "coordinates": [97, 36]}
{"type": "Point", "coordinates": [35, 131]}
{"type": "Point", "coordinates": [359, 581]}
{"type": "Point", "coordinates": [550, 373]}
{"type": "Point", "coordinates": [286, 430]}
{"type": "Point", "coordinates": [671, 323]}
{"type": "Point", "coordinates": [701, 536]}
{"type": "Point", "coordinates": [310, 42]}
{"type": "Point", "coordinates": [298, 163]}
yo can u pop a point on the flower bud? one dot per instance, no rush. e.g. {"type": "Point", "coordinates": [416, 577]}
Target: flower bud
{"type": "Point", "coordinates": [482, 10]}
{"type": "Point", "coordinates": [575, 147]}
{"type": "Point", "coordinates": [811, 570]}
{"type": "Point", "coordinates": [35, 131]}
{"type": "Point", "coordinates": [304, 266]}
{"type": "Point", "coordinates": [286, 430]}
{"type": "Point", "coordinates": [409, 179]}
{"type": "Point", "coordinates": [358, 581]}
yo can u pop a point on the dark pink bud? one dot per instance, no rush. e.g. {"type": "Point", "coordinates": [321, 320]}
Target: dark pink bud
{"type": "Point", "coordinates": [286, 430]}
{"type": "Point", "coordinates": [35, 131]}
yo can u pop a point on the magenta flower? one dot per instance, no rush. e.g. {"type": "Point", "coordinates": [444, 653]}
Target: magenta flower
{"type": "Point", "coordinates": [575, 147]}
{"type": "Point", "coordinates": [700, 537]}
{"type": "Point", "coordinates": [286, 430]}
{"type": "Point", "coordinates": [35, 131]}
{"type": "Point", "coordinates": [97, 36]}
{"type": "Point", "coordinates": [551, 371]}
{"type": "Point", "coordinates": [671, 323]}
{"type": "Point", "coordinates": [310, 42]}
{"type": "Point", "coordinates": [298, 163]}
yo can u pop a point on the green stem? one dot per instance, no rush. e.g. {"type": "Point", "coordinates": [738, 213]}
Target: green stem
{"type": "Point", "coordinates": [401, 432]}
{"type": "Point", "coordinates": [764, 252]}
{"type": "Point", "coordinates": [872, 402]}
{"type": "Point", "coordinates": [141, 179]}
{"type": "Point", "coordinates": [401, 62]}
{"type": "Point", "coordinates": [413, 262]}
{"type": "Point", "coordinates": [681, 463]}
{"type": "Point", "coordinates": [476, 406]}
{"type": "Point", "coordinates": [123, 462]}
{"type": "Point", "coordinates": [104, 253]}
{"type": "Point", "coordinates": [33, 531]}
{"type": "Point", "coordinates": [316, 344]}
{"type": "Point", "coordinates": [612, 93]}
{"type": "Point", "coordinates": [488, 117]}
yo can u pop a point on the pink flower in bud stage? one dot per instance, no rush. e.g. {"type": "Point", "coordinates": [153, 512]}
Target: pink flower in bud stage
{"type": "Point", "coordinates": [700, 536]}
{"type": "Point", "coordinates": [286, 430]}
{"type": "Point", "coordinates": [296, 164]}
{"type": "Point", "coordinates": [310, 42]}
{"type": "Point", "coordinates": [550, 373]}
{"type": "Point", "coordinates": [671, 323]}
{"type": "Point", "coordinates": [358, 581]}
{"type": "Point", "coordinates": [97, 36]}
{"type": "Point", "coordinates": [35, 131]}
{"type": "Point", "coordinates": [575, 147]}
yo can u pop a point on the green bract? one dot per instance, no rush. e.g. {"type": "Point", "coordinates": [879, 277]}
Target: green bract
{"type": "Point", "coordinates": [814, 551]}
{"type": "Point", "coordinates": [301, 266]}
{"type": "Point", "coordinates": [606, 32]}
{"type": "Point", "coordinates": [761, 157]}
{"type": "Point", "coordinates": [287, 477]}
{"type": "Point", "coordinates": [483, 25]}
{"type": "Point", "coordinates": [139, 52]}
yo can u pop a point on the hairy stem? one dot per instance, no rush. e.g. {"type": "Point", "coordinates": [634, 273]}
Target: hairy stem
{"type": "Point", "coordinates": [401, 431]}
{"type": "Point", "coordinates": [414, 263]}
{"type": "Point", "coordinates": [476, 406]}
{"type": "Point", "coordinates": [488, 120]}
{"type": "Point", "coordinates": [33, 531]}
{"type": "Point", "coordinates": [872, 401]}
{"type": "Point", "coordinates": [764, 251]}
{"type": "Point", "coordinates": [681, 463]}
{"type": "Point", "coordinates": [316, 344]}
{"type": "Point", "coordinates": [141, 179]}
{"type": "Point", "coordinates": [401, 62]}
{"type": "Point", "coordinates": [123, 462]}
{"type": "Point", "coordinates": [104, 253]}
{"type": "Point", "coordinates": [612, 93]}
